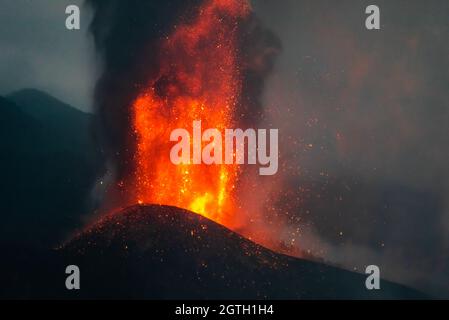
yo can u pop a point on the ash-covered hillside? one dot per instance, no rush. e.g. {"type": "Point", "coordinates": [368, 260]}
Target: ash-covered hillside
{"type": "Point", "coordinates": [164, 252]}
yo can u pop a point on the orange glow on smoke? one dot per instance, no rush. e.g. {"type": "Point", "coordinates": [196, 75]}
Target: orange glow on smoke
{"type": "Point", "coordinates": [198, 80]}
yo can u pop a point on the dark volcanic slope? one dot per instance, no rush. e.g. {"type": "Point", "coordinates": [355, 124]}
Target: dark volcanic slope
{"type": "Point", "coordinates": [165, 252]}
{"type": "Point", "coordinates": [47, 171]}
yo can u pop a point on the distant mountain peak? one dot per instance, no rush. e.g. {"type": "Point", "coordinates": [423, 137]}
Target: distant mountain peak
{"type": "Point", "coordinates": [33, 97]}
{"type": "Point", "coordinates": [71, 123]}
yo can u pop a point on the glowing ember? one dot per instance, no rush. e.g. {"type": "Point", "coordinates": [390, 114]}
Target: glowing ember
{"type": "Point", "coordinates": [198, 79]}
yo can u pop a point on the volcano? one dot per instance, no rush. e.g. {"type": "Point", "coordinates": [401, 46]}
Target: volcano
{"type": "Point", "coordinates": [163, 252]}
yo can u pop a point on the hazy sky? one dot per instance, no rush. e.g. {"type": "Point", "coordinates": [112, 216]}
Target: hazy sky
{"type": "Point", "coordinates": [37, 51]}
{"type": "Point", "coordinates": [370, 112]}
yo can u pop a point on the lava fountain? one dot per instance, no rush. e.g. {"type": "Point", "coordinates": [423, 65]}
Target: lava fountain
{"type": "Point", "coordinates": [167, 64]}
{"type": "Point", "coordinates": [199, 79]}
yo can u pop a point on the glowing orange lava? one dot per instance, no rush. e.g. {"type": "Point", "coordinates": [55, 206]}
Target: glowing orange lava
{"type": "Point", "coordinates": [198, 79]}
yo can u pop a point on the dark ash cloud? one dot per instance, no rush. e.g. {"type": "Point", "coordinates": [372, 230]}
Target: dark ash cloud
{"type": "Point", "coordinates": [368, 112]}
